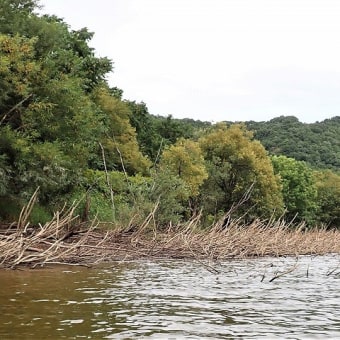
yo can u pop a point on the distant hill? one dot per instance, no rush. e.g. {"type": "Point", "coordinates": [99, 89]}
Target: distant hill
{"type": "Point", "coordinates": [318, 143]}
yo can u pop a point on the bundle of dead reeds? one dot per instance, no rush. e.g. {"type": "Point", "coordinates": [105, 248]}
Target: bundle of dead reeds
{"type": "Point", "coordinates": [260, 238]}
{"type": "Point", "coordinates": [21, 244]}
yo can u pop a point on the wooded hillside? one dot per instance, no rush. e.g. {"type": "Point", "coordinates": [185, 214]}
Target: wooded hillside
{"type": "Point", "coordinates": [318, 143]}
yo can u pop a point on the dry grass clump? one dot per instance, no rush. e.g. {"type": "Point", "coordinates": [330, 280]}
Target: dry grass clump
{"type": "Point", "coordinates": [65, 240]}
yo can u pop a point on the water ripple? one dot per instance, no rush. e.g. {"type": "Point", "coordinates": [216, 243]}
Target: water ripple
{"type": "Point", "coordinates": [176, 300]}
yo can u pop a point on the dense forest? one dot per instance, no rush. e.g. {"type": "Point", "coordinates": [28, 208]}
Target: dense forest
{"type": "Point", "coordinates": [66, 131]}
{"type": "Point", "coordinates": [318, 143]}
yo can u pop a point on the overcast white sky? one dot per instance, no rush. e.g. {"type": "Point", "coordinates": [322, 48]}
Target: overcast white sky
{"type": "Point", "coordinates": [218, 60]}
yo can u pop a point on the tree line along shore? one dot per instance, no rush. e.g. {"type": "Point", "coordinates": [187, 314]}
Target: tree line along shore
{"type": "Point", "coordinates": [67, 136]}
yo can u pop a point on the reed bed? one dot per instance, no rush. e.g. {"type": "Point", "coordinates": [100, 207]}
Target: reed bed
{"type": "Point", "coordinates": [64, 240]}
{"type": "Point", "coordinates": [236, 241]}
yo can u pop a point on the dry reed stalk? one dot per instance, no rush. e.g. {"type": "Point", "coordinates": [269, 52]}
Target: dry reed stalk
{"type": "Point", "coordinates": [108, 182]}
{"type": "Point", "coordinates": [146, 223]}
{"type": "Point", "coordinates": [26, 211]}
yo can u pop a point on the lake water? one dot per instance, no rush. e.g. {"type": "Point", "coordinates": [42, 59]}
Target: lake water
{"type": "Point", "coordinates": [175, 300]}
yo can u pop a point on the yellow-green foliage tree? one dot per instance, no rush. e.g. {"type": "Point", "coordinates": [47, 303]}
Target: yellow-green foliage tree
{"type": "Point", "coordinates": [235, 163]}
{"type": "Point", "coordinates": [17, 70]}
{"type": "Point", "coordinates": [185, 160]}
{"type": "Point", "coordinates": [119, 137]}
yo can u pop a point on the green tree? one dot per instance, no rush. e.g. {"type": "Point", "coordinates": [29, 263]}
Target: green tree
{"type": "Point", "coordinates": [49, 123]}
{"type": "Point", "coordinates": [149, 140]}
{"type": "Point", "coordinates": [328, 197]}
{"type": "Point", "coordinates": [14, 15]}
{"type": "Point", "coordinates": [171, 194]}
{"type": "Point", "coordinates": [298, 188]}
{"type": "Point", "coordinates": [235, 163]}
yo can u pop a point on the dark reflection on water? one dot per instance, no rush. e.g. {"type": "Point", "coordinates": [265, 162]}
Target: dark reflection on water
{"type": "Point", "coordinates": [174, 300]}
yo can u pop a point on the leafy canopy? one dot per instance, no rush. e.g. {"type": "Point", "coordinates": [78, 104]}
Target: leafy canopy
{"type": "Point", "coordinates": [235, 163]}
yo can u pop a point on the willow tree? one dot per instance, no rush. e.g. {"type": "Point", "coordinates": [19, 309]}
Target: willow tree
{"type": "Point", "coordinates": [237, 164]}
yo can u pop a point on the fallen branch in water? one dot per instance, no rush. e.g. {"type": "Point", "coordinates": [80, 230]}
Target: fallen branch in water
{"type": "Point", "coordinates": [278, 274]}
{"type": "Point", "coordinates": [330, 272]}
